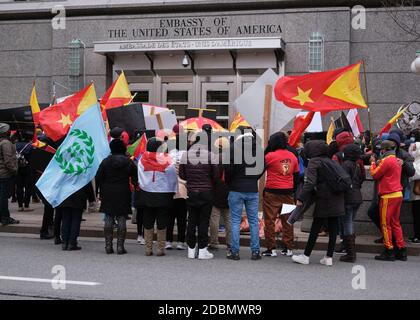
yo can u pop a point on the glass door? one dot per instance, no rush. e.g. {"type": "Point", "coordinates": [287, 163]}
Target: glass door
{"type": "Point", "coordinates": [178, 97]}
{"type": "Point", "coordinates": [142, 92]}
{"type": "Point", "coordinates": [218, 96]}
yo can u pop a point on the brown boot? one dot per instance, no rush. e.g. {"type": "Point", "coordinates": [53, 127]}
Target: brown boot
{"type": "Point", "coordinates": [350, 242]}
{"type": "Point", "coordinates": [148, 238]}
{"type": "Point", "coordinates": [161, 240]}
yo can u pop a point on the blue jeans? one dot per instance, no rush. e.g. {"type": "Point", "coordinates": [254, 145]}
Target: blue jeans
{"type": "Point", "coordinates": [348, 219]}
{"type": "Point", "coordinates": [4, 198]}
{"type": "Point", "coordinates": [237, 200]}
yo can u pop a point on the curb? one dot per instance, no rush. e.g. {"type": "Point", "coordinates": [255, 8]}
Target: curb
{"type": "Point", "coordinates": [245, 240]}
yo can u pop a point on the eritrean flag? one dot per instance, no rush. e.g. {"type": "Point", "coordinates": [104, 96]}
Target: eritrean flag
{"type": "Point", "coordinates": [138, 147]}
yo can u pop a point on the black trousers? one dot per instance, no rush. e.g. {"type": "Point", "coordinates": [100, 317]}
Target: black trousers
{"type": "Point", "coordinates": [57, 222]}
{"type": "Point", "coordinates": [416, 218]}
{"type": "Point", "coordinates": [178, 212]}
{"type": "Point", "coordinates": [199, 210]}
{"type": "Point", "coordinates": [160, 215]}
{"type": "Point", "coordinates": [47, 218]}
{"type": "Point", "coordinates": [24, 187]}
{"type": "Point", "coordinates": [317, 224]}
{"type": "Point", "coordinates": [373, 213]}
{"type": "Point", "coordinates": [70, 227]}
{"type": "Point", "coordinates": [140, 224]}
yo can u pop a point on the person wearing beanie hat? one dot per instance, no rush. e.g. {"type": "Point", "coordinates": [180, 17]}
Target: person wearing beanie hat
{"type": "Point", "coordinates": [352, 199]}
{"type": "Point", "coordinates": [408, 170]}
{"type": "Point", "coordinates": [387, 173]}
{"type": "Point", "coordinates": [395, 138]}
{"type": "Point", "coordinates": [400, 134]}
{"type": "Point", "coordinates": [8, 168]}
{"type": "Point", "coordinates": [113, 179]}
{"type": "Point", "coordinates": [343, 139]}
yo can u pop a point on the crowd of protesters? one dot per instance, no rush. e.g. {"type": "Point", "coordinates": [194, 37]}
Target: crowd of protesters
{"type": "Point", "coordinates": [192, 181]}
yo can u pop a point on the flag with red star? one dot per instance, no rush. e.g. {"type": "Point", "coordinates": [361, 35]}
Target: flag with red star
{"type": "Point", "coordinates": [322, 91]}
{"type": "Point", "coordinates": [57, 119]}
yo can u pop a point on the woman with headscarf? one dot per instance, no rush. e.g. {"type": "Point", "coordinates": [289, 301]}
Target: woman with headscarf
{"type": "Point", "coordinates": [158, 184]}
{"type": "Point", "coordinates": [113, 179]}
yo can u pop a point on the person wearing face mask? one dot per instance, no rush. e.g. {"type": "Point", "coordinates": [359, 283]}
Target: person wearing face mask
{"type": "Point", "coordinates": [387, 173]}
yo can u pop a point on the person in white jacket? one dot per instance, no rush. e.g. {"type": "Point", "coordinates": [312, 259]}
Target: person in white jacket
{"type": "Point", "coordinates": [414, 151]}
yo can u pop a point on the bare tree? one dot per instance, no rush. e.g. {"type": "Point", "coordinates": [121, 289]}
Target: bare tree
{"type": "Point", "coordinates": [405, 15]}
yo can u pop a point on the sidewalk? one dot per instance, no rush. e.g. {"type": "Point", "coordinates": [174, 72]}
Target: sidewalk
{"type": "Point", "coordinates": [30, 223]}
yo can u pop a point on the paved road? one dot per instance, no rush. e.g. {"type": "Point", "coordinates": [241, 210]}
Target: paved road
{"type": "Point", "coordinates": [134, 276]}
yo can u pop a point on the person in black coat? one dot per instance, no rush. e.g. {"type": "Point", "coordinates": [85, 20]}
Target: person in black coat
{"type": "Point", "coordinates": [113, 178]}
{"type": "Point", "coordinates": [353, 198]}
{"type": "Point", "coordinates": [329, 205]}
{"type": "Point", "coordinates": [71, 211]}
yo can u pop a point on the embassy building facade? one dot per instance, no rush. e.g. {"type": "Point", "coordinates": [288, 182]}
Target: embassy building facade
{"type": "Point", "coordinates": [195, 53]}
{"type": "Point", "coordinates": [205, 53]}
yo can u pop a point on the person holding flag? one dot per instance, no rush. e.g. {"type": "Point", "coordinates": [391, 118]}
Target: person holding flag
{"type": "Point", "coordinates": [65, 181]}
{"type": "Point", "coordinates": [387, 172]}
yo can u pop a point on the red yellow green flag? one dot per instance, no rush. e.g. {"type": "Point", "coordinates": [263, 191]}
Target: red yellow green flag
{"type": "Point", "coordinates": [57, 119]}
{"type": "Point", "coordinates": [391, 122]}
{"type": "Point", "coordinates": [33, 102]}
{"type": "Point", "coordinates": [238, 121]}
{"type": "Point", "coordinates": [117, 95]}
{"type": "Point", "coordinates": [322, 91]}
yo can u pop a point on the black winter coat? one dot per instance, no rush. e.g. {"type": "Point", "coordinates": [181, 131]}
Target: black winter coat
{"type": "Point", "coordinates": [353, 196]}
{"type": "Point", "coordinates": [244, 176]}
{"type": "Point", "coordinates": [78, 199]}
{"type": "Point", "coordinates": [199, 168]}
{"type": "Point", "coordinates": [328, 203]}
{"type": "Point", "coordinates": [113, 178]}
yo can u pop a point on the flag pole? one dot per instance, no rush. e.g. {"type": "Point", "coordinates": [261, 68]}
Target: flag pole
{"type": "Point", "coordinates": [367, 102]}
{"type": "Point", "coordinates": [132, 98]}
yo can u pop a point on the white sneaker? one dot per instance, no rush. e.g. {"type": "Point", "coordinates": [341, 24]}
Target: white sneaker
{"type": "Point", "coordinates": [287, 252]}
{"type": "Point", "coordinates": [141, 240]}
{"type": "Point", "coordinates": [192, 252]}
{"type": "Point", "coordinates": [301, 259]}
{"type": "Point", "coordinates": [204, 254]}
{"type": "Point", "coordinates": [181, 246]}
{"type": "Point", "coordinates": [326, 261]}
{"type": "Point", "coordinates": [168, 245]}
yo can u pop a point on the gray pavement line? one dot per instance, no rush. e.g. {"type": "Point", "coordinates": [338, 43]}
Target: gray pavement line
{"type": "Point", "coordinates": [52, 281]}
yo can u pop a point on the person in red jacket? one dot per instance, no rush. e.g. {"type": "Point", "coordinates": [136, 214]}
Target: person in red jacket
{"type": "Point", "coordinates": [387, 173]}
{"type": "Point", "coordinates": [282, 175]}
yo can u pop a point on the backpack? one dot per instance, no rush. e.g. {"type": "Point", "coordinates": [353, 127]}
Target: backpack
{"type": "Point", "coordinates": [21, 160]}
{"type": "Point", "coordinates": [336, 177]}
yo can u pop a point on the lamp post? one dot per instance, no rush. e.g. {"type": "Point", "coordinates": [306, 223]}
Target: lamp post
{"type": "Point", "coordinates": [415, 66]}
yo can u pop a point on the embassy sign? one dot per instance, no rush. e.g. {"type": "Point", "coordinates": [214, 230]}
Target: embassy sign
{"type": "Point", "coordinates": [104, 47]}
{"type": "Point", "coordinates": [192, 27]}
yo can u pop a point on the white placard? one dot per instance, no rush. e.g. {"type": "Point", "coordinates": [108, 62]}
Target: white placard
{"type": "Point", "coordinates": [168, 120]}
{"type": "Point", "coordinates": [251, 105]}
{"type": "Point", "coordinates": [287, 208]}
